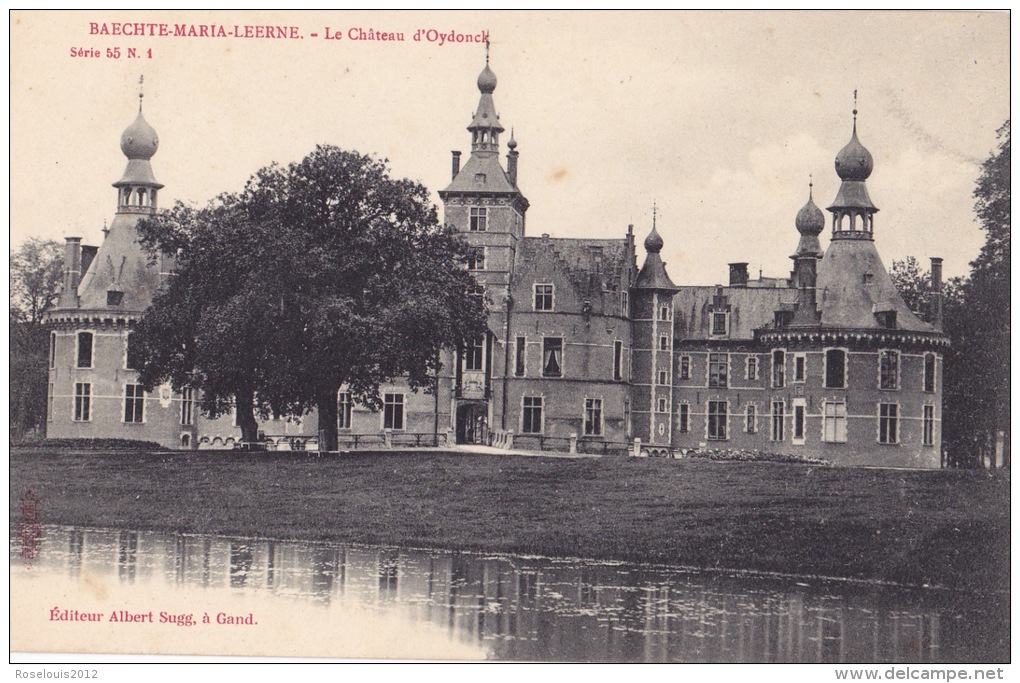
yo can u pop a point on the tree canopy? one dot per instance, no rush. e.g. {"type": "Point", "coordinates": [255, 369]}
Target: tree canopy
{"type": "Point", "coordinates": [321, 274]}
{"type": "Point", "coordinates": [36, 273]}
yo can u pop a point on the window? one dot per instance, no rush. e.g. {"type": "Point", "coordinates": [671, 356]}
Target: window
{"type": "Point", "coordinates": [82, 402]}
{"type": "Point", "coordinates": [479, 216]}
{"type": "Point", "coordinates": [720, 324]}
{"type": "Point", "coordinates": [799, 418]}
{"type": "Point", "coordinates": [53, 349]}
{"type": "Point", "coordinates": [132, 360]}
{"type": "Point", "coordinates": [84, 349]}
{"type": "Point", "coordinates": [751, 370]}
{"type": "Point", "coordinates": [618, 360]}
{"type": "Point", "coordinates": [664, 312]}
{"type": "Point", "coordinates": [49, 402]}
{"type": "Point", "coordinates": [717, 420]}
{"type": "Point", "coordinates": [531, 415]}
{"type": "Point", "coordinates": [834, 422]}
{"type": "Point", "coordinates": [624, 305]}
{"type": "Point", "coordinates": [663, 405]}
{"type": "Point", "coordinates": [799, 367]}
{"type": "Point", "coordinates": [520, 353]}
{"type": "Point", "coordinates": [393, 411]}
{"type": "Point", "coordinates": [187, 406]}
{"type": "Point", "coordinates": [778, 420]}
{"type": "Point", "coordinates": [663, 377]}
{"type": "Point", "coordinates": [888, 369]}
{"type": "Point", "coordinates": [476, 259]}
{"type": "Point", "coordinates": [717, 363]}
{"type": "Point", "coordinates": [835, 369]}
{"type": "Point", "coordinates": [134, 403]}
{"type": "Point", "coordinates": [928, 428]}
{"type": "Point", "coordinates": [663, 343]}
{"type": "Point", "coordinates": [888, 423]}
{"type": "Point", "coordinates": [593, 417]}
{"type": "Point", "coordinates": [543, 297]}
{"type": "Point", "coordinates": [929, 373]}
{"type": "Point", "coordinates": [343, 410]}
{"type": "Point", "coordinates": [552, 357]}
{"type": "Point", "coordinates": [473, 354]}
{"type": "Point", "coordinates": [751, 419]}
{"type": "Point", "coordinates": [778, 369]}
{"type": "Point", "coordinates": [685, 367]}
{"type": "Point", "coordinates": [684, 418]}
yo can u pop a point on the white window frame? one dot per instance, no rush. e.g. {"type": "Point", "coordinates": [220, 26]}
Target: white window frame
{"type": "Point", "coordinates": [934, 372]}
{"type": "Point", "coordinates": [563, 354]}
{"type": "Point", "coordinates": [53, 350]}
{"type": "Point", "coordinates": [83, 413]}
{"type": "Point", "coordinates": [751, 418]}
{"type": "Point", "coordinates": [137, 404]}
{"type": "Point", "coordinates": [684, 372]}
{"type": "Point", "coordinates": [836, 418]}
{"type": "Point", "coordinates": [402, 403]}
{"type": "Point", "coordinates": [928, 424]}
{"type": "Point", "coordinates": [77, 353]}
{"type": "Point", "coordinates": [708, 370]}
{"type": "Point", "coordinates": [726, 325]}
{"type": "Point", "coordinates": [683, 417]}
{"type": "Point", "coordinates": [468, 353]}
{"type": "Point", "coordinates": [800, 358]}
{"type": "Point", "coordinates": [552, 297]}
{"type": "Point", "coordinates": [618, 360]}
{"type": "Point", "coordinates": [540, 407]}
{"type": "Point", "coordinates": [825, 366]}
{"type": "Point", "coordinates": [799, 404]}
{"type": "Point", "coordinates": [663, 378]}
{"type": "Point", "coordinates": [725, 422]}
{"type": "Point", "coordinates": [344, 410]}
{"type": "Point", "coordinates": [665, 312]}
{"type": "Point", "coordinates": [777, 434]}
{"type": "Point", "coordinates": [663, 342]}
{"type": "Point", "coordinates": [894, 420]}
{"type": "Point", "coordinates": [187, 406]}
{"type": "Point", "coordinates": [476, 215]}
{"type": "Point", "coordinates": [593, 406]}
{"type": "Point", "coordinates": [772, 369]}
{"type": "Point", "coordinates": [662, 404]}
{"type": "Point", "coordinates": [752, 361]}
{"type": "Point", "coordinates": [896, 369]}
{"type": "Point", "coordinates": [477, 255]}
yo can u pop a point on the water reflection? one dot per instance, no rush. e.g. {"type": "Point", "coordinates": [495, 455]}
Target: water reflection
{"type": "Point", "coordinates": [540, 609]}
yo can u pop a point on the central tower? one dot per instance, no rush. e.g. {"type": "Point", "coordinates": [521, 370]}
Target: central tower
{"type": "Point", "coordinates": [483, 202]}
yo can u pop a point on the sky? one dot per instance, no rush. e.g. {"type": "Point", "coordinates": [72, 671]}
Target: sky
{"type": "Point", "coordinates": [716, 118]}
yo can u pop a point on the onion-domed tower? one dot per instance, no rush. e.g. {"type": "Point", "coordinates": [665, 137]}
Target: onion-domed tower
{"type": "Point", "coordinates": [652, 341]}
{"type": "Point", "coordinates": [855, 375]}
{"type": "Point", "coordinates": [94, 390]}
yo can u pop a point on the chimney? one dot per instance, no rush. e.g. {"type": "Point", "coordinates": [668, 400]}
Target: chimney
{"type": "Point", "coordinates": [511, 166]}
{"type": "Point", "coordinates": [456, 164]}
{"type": "Point", "coordinates": [72, 272]}
{"type": "Point", "coordinates": [738, 275]}
{"type": "Point", "coordinates": [936, 292]}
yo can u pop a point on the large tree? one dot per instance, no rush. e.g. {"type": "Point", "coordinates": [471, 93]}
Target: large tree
{"type": "Point", "coordinates": [321, 274]}
{"type": "Point", "coordinates": [36, 273]}
{"type": "Point", "coordinates": [988, 298]}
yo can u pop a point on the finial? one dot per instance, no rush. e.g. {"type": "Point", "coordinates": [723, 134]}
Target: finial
{"type": "Point", "coordinates": [810, 186]}
{"type": "Point", "coordinates": [855, 111]}
{"type": "Point", "coordinates": [486, 48]}
{"type": "Point", "coordinates": [141, 80]}
{"type": "Point", "coordinates": [655, 212]}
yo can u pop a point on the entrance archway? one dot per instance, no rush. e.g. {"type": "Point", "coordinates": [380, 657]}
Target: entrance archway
{"type": "Point", "coordinates": [472, 423]}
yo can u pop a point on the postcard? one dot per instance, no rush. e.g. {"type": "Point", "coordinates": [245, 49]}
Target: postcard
{"type": "Point", "coordinates": [647, 198]}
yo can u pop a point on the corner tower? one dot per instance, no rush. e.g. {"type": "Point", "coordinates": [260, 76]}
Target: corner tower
{"type": "Point", "coordinates": [93, 379]}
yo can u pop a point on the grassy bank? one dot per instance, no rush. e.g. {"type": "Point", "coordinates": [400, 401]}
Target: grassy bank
{"type": "Point", "coordinates": [942, 528]}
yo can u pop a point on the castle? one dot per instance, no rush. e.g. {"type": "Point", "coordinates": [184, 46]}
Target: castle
{"type": "Point", "coordinates": [584, 349]}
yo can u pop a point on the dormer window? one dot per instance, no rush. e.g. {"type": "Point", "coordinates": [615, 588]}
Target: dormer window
{"type": "Point", "coordinates": [867, 278]}
{"type": "Point", "coordinates": [886, 319]}
{"type": "Point", "coordinates": [720, 324]}
{"type": "Point", "coordinates": [114, 297]}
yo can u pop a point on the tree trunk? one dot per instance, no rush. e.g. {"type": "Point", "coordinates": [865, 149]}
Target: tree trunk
{"type": "Point", "coordinates": [245, 405]}
{"type": "Point", "coordinates": [327, 421]}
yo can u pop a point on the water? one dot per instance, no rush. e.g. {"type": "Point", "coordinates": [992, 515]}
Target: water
{"type": "Point", "coordinates": [318, 599]}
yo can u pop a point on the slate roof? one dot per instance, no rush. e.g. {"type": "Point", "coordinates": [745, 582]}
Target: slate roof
{"type": "Point", "coordinates": [847, 301]}
{"type": "Point", "coordinates": [751, 307]}
{"type": "Point", "coordinates": [588, 262]}
{"type": "Point", "coordinates": [493, 178]}
{"type": "Point", "coordinates": [123, 265]}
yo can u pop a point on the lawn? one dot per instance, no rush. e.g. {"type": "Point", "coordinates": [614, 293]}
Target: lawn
{"type": "Point", "coordinates": [948, 528]}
